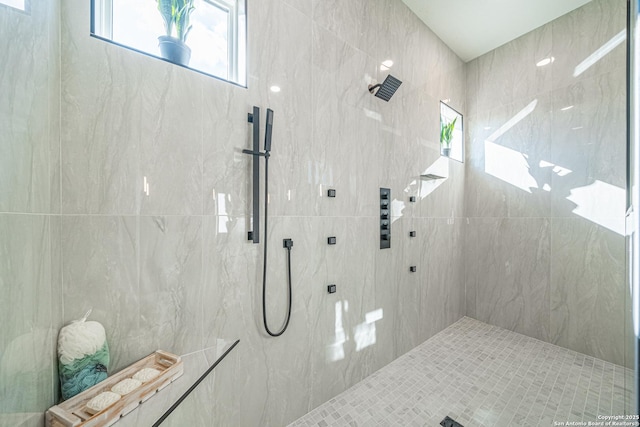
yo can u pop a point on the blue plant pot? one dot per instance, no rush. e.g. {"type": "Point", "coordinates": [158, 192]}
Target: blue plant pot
{"type": "Point", "coordinates": [174, 50]}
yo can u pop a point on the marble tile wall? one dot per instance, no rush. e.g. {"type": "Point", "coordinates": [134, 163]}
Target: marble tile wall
{"type": "Point", "coordinates": [30, 280]}
{"type": "Point", "coordinates": [173, 269]}
{"type": "Point", "coordinates": [545, 182]}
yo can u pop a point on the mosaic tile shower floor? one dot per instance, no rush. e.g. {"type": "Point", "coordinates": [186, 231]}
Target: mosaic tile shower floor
{"type": "Point", "coordinates": [481, 375]}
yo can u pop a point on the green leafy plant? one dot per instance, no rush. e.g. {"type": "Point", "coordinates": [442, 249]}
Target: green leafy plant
{"type": "Point", "coordinates": [446, 132]}
{"type": "Point", "coordinates": [176, 13]}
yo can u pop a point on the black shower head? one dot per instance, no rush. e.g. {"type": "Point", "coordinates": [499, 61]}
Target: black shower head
{"type": "Point", "coordinates": [268, 130]}
{"type": "Point", "coordinates": [387, 88]}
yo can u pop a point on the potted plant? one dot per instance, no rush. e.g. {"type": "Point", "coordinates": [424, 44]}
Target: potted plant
{"type": "Point", "coordinates": [175, 14]}
{"type": "Point", "coordinates": [446, 134]}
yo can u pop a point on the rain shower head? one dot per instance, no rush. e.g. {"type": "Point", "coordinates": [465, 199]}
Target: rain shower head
{"type": "Point", "coordinates": [386, 89]}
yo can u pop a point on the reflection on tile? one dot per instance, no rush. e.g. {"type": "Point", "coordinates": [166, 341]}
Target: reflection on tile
{"type": "Point", "coordinates": [589, 140]}
{"type": "Point", "coordinates": [26, 367]}
{"type": "Point", "coordinates": [346, 333]}
{"type": "Point", "coordinates": [508, 154]}
{"type": "Point", "coordinates": [580, 41]}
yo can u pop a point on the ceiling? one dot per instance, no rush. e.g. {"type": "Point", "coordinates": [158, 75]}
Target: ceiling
{"type": "Point", "coordinates": [472, 28]}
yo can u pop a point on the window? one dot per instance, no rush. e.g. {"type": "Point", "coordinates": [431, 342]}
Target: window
{"type": "Point", "coordinates": [22, 5]}
{"type": "Point", "coordinates": [451, 133]}
{"type": "Point", "coordinates": [215, 42]}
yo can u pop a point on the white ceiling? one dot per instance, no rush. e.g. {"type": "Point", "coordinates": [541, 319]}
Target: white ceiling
{"type": "Point", "coordinates": [474, 27]}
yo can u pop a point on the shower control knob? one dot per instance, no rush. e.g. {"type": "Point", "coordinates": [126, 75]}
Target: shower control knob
{"type": "Point", "coordinates": [331, 289]}
{"type": "Point", "coordinates": [331, 240]}
{"type": "Point", "coordinates": [385, 223]}
{"type": "Point", "coordinates": [412, 234]}
{"type": "Point", "coordinates": [413, 269]}
{"type": "Point", "coordinates": [331, 193]}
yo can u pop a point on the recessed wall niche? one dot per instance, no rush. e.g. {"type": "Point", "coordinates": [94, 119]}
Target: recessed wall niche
{"type": "Point", "coordinates": [451, 133]}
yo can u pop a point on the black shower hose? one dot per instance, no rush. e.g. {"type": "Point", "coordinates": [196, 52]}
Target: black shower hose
{"type": "Point", "coordinates": [264, 265]}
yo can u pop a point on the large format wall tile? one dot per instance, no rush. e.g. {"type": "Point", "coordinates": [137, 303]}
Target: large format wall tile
{"type": "Point", "coordinates": [508, 159]}
{"type": "Point", "coordinates": [171, 141]}
{"type": "Point", "coordinates": [101, 120]}
{"type": "Point", "coordinates": [409, 311]}
{"type": "Point", "coordinates": [231, 288]}
{"type": "Point", "coordinates": [347, 20]}
{"type": "Point", "coordinates": [511, 258]}
{"type": "Point", "coordinates": [281, 56]}
{"type": "Point", "coordinates": [390, 265]}
{"type": "Point", "coordinates": [545, 179]}
{"type": "Point", "coordinates": [27, 91]}
{"type": "Point", "coordinates": [304, 6]}
{"type": "Point", "coordinates": [442, 273]}
{"type": "Point", "coordinates": [226, 132]}
{"type": "Point", "coordinates": [99, 267]}
{"type": "Point", "coordinates": [587, 288]}
{"type": "Point", "coordinates": [590, 41]}
{"type": "Point", "coordinates": [509, 73]}
{"type": "Point", "coordinates": [345, 338]}
{"type": "Point", "coordinates": [233, 300]}
{"type": "Point", "coordinates": [30, 307]}
{"type": "Point", "coordinates": [171, 303]}
{"type": "Point", "coordinates": [27, 369]}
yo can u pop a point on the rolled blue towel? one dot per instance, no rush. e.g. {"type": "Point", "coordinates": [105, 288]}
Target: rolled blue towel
{"type": "Point", "coordinates": [86, 378]}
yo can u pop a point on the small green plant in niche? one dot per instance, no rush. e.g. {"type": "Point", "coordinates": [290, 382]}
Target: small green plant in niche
{"type": "Point", "coordinates": [446, 134]}
{"type": "Point", "coordinates": [176, 16]}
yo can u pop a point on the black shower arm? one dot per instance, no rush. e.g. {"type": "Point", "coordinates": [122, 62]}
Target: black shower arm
{"type": "Point", "coordinates": [256, 153]}
{"type": "Point", "coordinates": [374, 87]}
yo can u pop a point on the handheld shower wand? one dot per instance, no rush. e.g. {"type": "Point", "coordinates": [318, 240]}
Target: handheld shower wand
{"type": "Point", "coordinates": [268, 130]}
{"type": "Point", "coordinates": [288, 243]}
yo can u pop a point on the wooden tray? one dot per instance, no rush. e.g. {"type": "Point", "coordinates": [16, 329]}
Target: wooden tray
{"type": "Point", "coordinates": [72, 413]}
